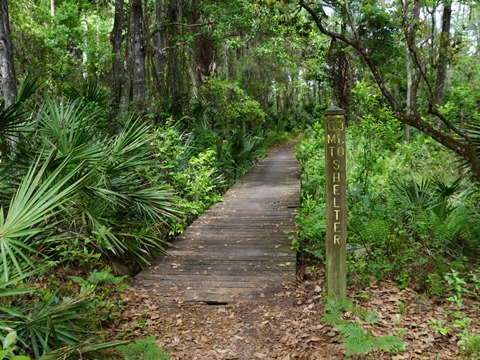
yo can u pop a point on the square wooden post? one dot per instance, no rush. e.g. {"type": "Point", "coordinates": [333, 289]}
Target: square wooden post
{"type": "Point", "coordinates": [336, 239]}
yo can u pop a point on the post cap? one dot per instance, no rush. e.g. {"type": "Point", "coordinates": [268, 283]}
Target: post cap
{"type": "Point", "coordinates": [334, 110]}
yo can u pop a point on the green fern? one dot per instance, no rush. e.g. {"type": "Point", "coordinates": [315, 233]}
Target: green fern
{"type": "Point", "coordinates": [388, 343]}
{"type": "Point", "coordinates": [357, 340]}
{"type": "Point", "coordinates": [352, 332]}
{"type": "Point", "coordinates": [334, 317]}
{"type": "Point", "coordinates": [456, 233]}
{"type": "Point", "coordinates": [371, 317]}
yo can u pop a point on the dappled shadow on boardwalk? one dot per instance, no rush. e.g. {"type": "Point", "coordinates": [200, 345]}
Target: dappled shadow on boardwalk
{"type": "Point", "coordinates": [240, 248]}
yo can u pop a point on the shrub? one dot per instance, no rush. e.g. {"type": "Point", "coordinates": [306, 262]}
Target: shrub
{"type": "Point", "coordinates": [230, 108]}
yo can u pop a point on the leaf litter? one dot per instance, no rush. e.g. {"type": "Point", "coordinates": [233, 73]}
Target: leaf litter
{"type": "Point", "coordinates": [286, 324]}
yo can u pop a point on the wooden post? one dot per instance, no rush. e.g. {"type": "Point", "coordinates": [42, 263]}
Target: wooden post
{"type": "Point", "coordinates": [336, 201]}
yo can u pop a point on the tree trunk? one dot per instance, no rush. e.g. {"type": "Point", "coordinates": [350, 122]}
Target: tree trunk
{"type": "Point", "coordinates": [443, 53]}
{"type": "Point", "coordinates": [226, 54]}
{"type": "Point", "coordinates": [117, 66]}
{"type": "Point", "coordinates": [179, 57]}
{"type": "Point", "coordinates": [160, 47]}
{"type": "Point", "coordinates": [412, 81]}
{"type": "Point", "coordinates": [136, 55]}
{"type": "Point", "coordinates": [7, 67]}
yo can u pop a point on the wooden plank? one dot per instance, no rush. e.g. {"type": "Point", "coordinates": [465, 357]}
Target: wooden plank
{"type": "Point", "coordinates": [195, 265]}
{"type": "Point", "coordinates": [194, 280]}
{"type": "Point", "coordinates": [211, 271]}
{"type": "Point", "coordinates": [222, 247]}
{"type": "Point", "coordinates": [231, 254]}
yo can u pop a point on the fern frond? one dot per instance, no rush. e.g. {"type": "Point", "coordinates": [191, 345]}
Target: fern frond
{"type": "Point", "coordinates": [351, 331]}
{"type": "Point", "coordinates": [333, 317]}
{"type": "Point", "coordinates": [353, 348]}
{"type": "Point", "coordinates": [388, 343]}
{"type": "Point", "coordinates": [371, 317]}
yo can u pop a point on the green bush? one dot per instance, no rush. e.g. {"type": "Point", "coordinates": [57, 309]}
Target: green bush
{"type": "Point", "coordinates": [230, 108]}
{"type": "Point", "coordinates": [145, 349]}
{"type": "Point", "coordinates": [191, 171]}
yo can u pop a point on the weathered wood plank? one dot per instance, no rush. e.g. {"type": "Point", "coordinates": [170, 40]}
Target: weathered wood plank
{"type": "Point", "coordinates": [214, 270]}
{"type": "Point", "coordinates": [230, 254]}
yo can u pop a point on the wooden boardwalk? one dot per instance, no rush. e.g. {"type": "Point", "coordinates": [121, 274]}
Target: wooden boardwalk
{"type": "Point", "coordinates": [240, 248]}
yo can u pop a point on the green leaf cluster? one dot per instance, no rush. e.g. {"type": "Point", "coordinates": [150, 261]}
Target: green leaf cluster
{"type": "Point", "coordinates": [355, 338]}
{"type": "Point", "coordinates": [7, 348]}
{"type": "Point", "coordinates": [145, 348]}
{"type": "Point", "coordinates": [230, 108]}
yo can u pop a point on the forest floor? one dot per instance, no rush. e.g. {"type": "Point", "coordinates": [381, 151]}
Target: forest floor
{"type": "Point", "coordinates": [287, 324]}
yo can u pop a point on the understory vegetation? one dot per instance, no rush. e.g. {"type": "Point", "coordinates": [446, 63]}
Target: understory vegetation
{"type": "Point", "coordinates": [409, 216]}
{"type": "Point", "coordinates": [84, 205]}
{"type": "Point", "coordinates": [412, 216]}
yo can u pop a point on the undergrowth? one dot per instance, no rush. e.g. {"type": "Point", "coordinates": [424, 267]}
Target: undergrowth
{"type": "Point", "coordinates": [145, 349]}
{"type": "Point", "coordinates": [357, 339]}
{"type": "Point", "coordinates": [408, 216]}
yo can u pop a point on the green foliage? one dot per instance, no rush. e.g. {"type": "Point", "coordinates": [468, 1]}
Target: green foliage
{"type": "Point", "coordinates": [230, 108]}
{"type": "Point", "coordinates": [310, 218]}
{"type": "Point", "coordinates": [75, 196]}
{"type": "Point", "coordinates": [116, 205]}
{"type": "Point", "coordinates": [12, 118]}
{"type": "Point", "coordinates": [101, 285]}
{"type": "Point", "coordinates": [407, 216]}
{"type": "Point", "coordinates": [190, 171]}
{"type": "Point", "coordinates": [47, 325]}
{"type": "Point", "coordinates": [457, 323]}
{"type": "Point", "coordinates": [355, 338]}
{"type": "Point", "coordinates": [89, 91]}
{"type": "Point", "coordinates": [456, 284]}
{"type": "Point", "coordinates": [377, 30]}
{"type": "Point", "coordinates": [470, 347]}
{"type": "Point", "coordinates": [63, 46]}
{"type": "Point", "coordinates": [146, 349]}
{"type": "Point", "coordinates": [7, 348]}
{"type": "Point", "coordinates": [37, 199]}
{"type": "Point", "coordinates": [439, 326]}
{"type": "Point", "coordinates": [90, 348]}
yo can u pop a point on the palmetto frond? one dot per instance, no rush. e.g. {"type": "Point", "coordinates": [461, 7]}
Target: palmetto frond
{"type": "Point", "coordinates": [35, 201]}
{"type": "Point", "coordinates": [50, 325]}
{"type": "Point", "coordinates": [115, 204]}
{"type": "Point", "coordinates": [68, 129]}
{"type": "Point", "coordinates": [89, 91]}
{"type": "Point", "coordinates": [12, 117]}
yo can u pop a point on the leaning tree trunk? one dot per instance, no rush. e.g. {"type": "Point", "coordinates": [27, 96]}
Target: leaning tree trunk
{"type": "Point", "coordinates": [7, 68]}
{"type": "Point", "coordinates": [449, 135]}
